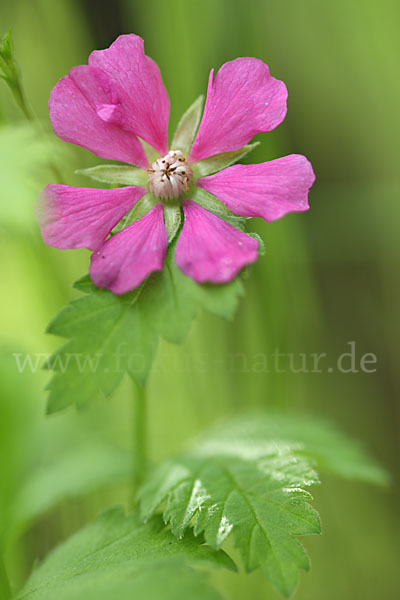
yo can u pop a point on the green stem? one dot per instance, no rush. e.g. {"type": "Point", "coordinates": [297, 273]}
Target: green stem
{"type": "Point", "coordinates": [139, 436]}
{"type": "Point", "coordinates": [5, 589]}
{"type": "Point", "coordinates": [17, 91]}
{"type": "Point", "coordinates": [21, 101]}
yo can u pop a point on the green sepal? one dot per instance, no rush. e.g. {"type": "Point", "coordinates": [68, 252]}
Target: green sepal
{"type": "Point", "coordinates": [261, 245]}
{"type": "Point", "coordinates": [172, 219]}
{"type": "Point", "coordinates": [151, 153]}
{"type": "Point", "coordinates": [207, 166]}
{"type": "Point", "coordinates": [214, 205]}
{"type": "Point", "coordinates": [142, 207]}
{"type": "Point", "coordinates": [115, 174]}
{"type": "Point", "coordinates": [187, 127]}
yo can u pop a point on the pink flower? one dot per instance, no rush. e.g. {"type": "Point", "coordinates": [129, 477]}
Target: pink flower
{"type": "Point", "coordinates": [118, 108]}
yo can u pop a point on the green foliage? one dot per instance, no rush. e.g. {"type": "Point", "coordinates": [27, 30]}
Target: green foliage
{"type": "Point", "coordinates": [110, 335]}
{"type": "Point", "coordinates": [314, 438]}
{"type": "Point", "coordinates": [71, 473]}
{"type": "Point", "coordinates": [247, 480]}
{"type": "Point", "coordinates": [259, 499]}
{"type": "Point", "coordinates": [46, 461]}
{"type": "Point", "coordinates": [120, 557]}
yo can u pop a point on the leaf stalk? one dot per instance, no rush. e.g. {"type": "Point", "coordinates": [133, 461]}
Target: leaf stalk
{"type": "Point", "coordinates": [140, 442]}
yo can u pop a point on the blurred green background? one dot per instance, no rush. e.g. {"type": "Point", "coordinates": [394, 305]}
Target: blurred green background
{"type": "Point", "coordinates": [329, 276]}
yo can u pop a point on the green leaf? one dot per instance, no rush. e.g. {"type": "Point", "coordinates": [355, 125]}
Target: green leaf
{"type": "Point", "coordinates": [220, 161]}
{"type": "Point", "coordinates": [247, 479]}
{"type": "Point", "coordinates": [69, 473]}
{"type": "Point", "coordinates": [110, 335]}
{"type": "Point", "coordinates": [255, 494]}
{"type": "Point", "coordinates": [316, 439]}
{"type": "Point", "coordinates": [116, 174]}
{"type": "Point", "coordinates": [45, 461]}
{"type": "Point", "coordinates": [109, 338]}
{"type": "Point", "coordinates": [187, 127]}
{"type": "Point", "coordinates": [120, 557]}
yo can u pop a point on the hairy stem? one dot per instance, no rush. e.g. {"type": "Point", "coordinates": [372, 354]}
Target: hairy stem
{"type": "Point", "coordinates": [5, 590]}
{"type": "Point", "coordinates": [139, 436]}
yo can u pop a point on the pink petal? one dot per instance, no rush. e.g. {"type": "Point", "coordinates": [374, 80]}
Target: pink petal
{"type": "Point", "coordinates": [79, 115]}
{"type": "Point", "coordinates": [243, 100]}
{"type": "Point", "coordinates": [269, 190]}
{"type": "Point", "coordinates": [72, 217]}
{"type": "Point", "coordinates": [209, 249]}
{"type": "Point", "coordinates": [128, 257]}
{"type": "Point", "coordinates": [137, 80]}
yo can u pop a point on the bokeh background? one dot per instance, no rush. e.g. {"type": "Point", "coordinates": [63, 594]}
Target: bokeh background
{"type": "Point", "coordinates": [329, 276]}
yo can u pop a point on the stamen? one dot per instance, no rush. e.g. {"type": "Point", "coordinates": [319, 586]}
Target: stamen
{"type": "Point", "coordinates": [170, 176]}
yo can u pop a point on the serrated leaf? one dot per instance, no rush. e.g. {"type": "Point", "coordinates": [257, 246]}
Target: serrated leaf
{"type": "Point", "coordinates": [116, 174]}
{"type": "Point", "coordinates": [258, 497]}
{"type": "Point", "coordinates": [207, 166]}
{"type": "Point", "coordinates": [187, 127]}
{"type": "Point", "coordinates": [120, 557]}
{"type": "Point", "coordinates": [316, 438]}
{"type": "Point", "coordinates": [110, 335]}
{"type": "Point", "coordinates": [109, 338]}
{"type": "Point", "coordinates": [247, 478]}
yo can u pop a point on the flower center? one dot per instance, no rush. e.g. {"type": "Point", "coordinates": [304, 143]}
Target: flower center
{"type": "Point", "coordinates": [170, 176]}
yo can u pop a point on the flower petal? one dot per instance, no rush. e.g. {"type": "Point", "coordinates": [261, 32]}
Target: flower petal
{"type": "Point", "coordinates": [268, 190]}
{"type": "Point", "coordinates": [81, 105]}
{"type": "Point", "coordinates": [209, 249]}
{"type": "Point", "coordinates": [242, 101]}
{"type": "Point", "coordinates": [144, 101]}
{"type": "Point", "coordinates": [128, 257]}
{"type": "Point", "coordinates": [72, 217]}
